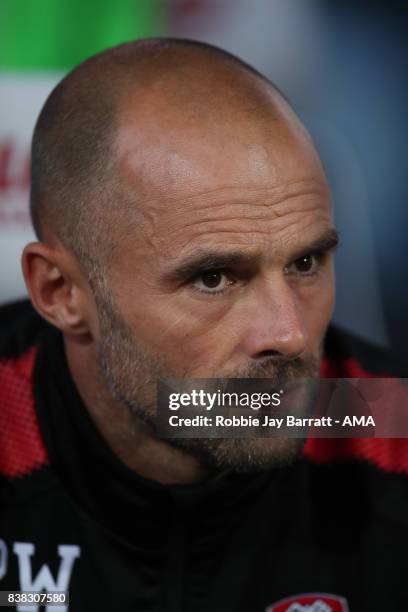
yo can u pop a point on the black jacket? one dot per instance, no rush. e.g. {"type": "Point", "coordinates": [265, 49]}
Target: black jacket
{"type": "Point", "coordinates": [328, 532]}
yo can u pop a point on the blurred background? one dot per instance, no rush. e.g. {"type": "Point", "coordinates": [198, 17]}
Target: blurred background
{"type": "Point", "coordinates": [342, 64]}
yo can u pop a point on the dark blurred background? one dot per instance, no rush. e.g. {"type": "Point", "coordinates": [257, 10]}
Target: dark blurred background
{"type": "Point", "coordinates": [342, 64]}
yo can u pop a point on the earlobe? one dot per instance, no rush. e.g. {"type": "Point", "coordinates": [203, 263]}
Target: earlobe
{"type": "Point", "coordinates": [51, 285]}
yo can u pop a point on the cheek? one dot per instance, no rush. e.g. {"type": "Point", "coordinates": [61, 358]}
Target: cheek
{"type": "Point", "coordinates": [171, 328]}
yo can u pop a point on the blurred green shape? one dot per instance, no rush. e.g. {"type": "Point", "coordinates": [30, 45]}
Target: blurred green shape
{"type": "Point", "coordinates": [58, 34]}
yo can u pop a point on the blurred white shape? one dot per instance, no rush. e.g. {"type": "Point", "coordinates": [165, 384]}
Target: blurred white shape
{"type": "Point", "coordinates": [21, 98]}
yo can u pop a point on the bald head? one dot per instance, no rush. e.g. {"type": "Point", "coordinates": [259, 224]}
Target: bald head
{"type": "Point", "coordinates": [162, 89]}
{"type": "Point", "coordinates": [193, 199]}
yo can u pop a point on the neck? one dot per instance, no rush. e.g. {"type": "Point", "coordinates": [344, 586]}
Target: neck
{"type": "Point", "coordinates": [132, 441]}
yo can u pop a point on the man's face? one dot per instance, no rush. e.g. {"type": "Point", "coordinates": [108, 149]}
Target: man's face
{"type": "Point", "coordinates": [224, 270]}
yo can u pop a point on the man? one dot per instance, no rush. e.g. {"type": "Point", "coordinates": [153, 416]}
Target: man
{"type": "Point", "coordinates": [184, 231]}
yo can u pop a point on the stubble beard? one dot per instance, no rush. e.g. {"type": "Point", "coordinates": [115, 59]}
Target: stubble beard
{"type": "Point", "coordinates": [131, 374]}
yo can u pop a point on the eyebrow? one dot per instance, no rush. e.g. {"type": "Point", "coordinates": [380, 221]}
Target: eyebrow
{"type": "Point", "coordinates": [202, 261]}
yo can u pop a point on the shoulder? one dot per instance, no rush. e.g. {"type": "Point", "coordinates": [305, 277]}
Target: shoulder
{"type": "Point", "coordinates": [22, 450]}
{"type": "Point", "coordinates": [347, 355]}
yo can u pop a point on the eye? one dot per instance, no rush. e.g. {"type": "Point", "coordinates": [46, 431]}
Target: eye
{"type": "Point", "coordinates": [212, 281]}
{"type": "Point", "coordinates": [307, 265]}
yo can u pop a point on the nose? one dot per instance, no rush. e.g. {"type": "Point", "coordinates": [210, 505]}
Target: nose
{"type": "Point", "coordinates": [275, 325]}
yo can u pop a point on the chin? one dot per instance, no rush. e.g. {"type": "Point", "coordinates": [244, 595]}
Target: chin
{"type": "Point", "coordinates": [243, 455]}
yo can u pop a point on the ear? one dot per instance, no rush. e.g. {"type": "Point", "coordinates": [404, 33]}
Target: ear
{"type": "Point", "coordinates": [57, 287]}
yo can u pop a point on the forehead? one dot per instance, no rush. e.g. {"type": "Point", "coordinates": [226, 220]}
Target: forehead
{"type": "Point", "coordinates": [194, 179]}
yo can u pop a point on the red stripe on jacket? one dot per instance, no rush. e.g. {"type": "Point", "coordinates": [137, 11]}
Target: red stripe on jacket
{"type": "Point", "coordinates": [388, 454]}
{"type": "Point", "coordinates": [22, 448]}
